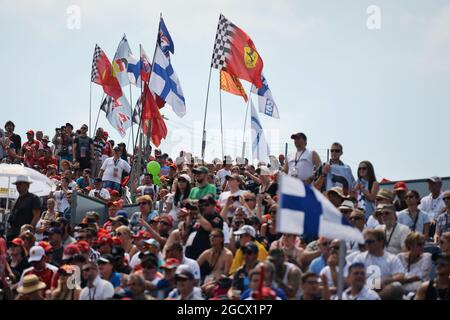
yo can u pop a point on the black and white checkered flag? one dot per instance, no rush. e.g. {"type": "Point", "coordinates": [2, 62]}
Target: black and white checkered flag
{"type": "Point", "coordinates": [107, 105]}
{"type": "Point", "coordinates": [137, 111]}
{"type": "Point", "coordinates": [222, 43]}
{"type": "Point", "coordinates": [97, 54]}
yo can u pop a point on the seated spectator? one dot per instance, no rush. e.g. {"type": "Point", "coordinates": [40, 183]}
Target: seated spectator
{"type": "Point", "coordinates": [175, 250]}
{"type": "Point", "coordinates": [412, 217]}
{"type": "Point", "coordinates": [98, 191]}
{"type": "Point", "coordinates": [287, 275]}
{"type": "Point", "coordinates": [267, 270]}
{"type": "Point", "coordinates": [96, 288]}
{"type": "Point", "coordinates": [395, 232]}
{"type": "Point", "coordinates": [442, 221]}
{"type": "Point", "coordinates": [44, 271]}
{"type": "Point", "coordinates": [268, 229]}
{"type": "Point", "coordinates": [146, 214]}
{"type": "Point", "coordinates": [444, 243]}
{"type": "Point", "coordinates": [186, 285]}
{"type": "Point", "coordinates": [311, 288]}
{"type": "Point", "coordinates": [438, 288]}
{"type": "Point", "coordinates": [106, 268]}
{"type": "Point", "coordinates": [384, 196]}
{"type": "Point", "coordinates": [165, 285]}
{"type": "Point", "coordinates": [320, 262]}
{"type": "Point", "coordinates": [416, 262]}
{"type": "Point", "coordinates": [358, 289]}
{"type": "Point", "coordinates": [32, 288]}
{"type": "Point", "coordinates": [63, 291]}
{"type": "Point", "coordinates": [241, 279]}
{"type": "Point", "coordinates": [147, 187]}
{"type": "Point", "coordinates": [400, 190]}
{"type": "Point", "coordinates": [246, 235]}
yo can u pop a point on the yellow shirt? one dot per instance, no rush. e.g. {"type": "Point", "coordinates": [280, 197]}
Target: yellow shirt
{"type": "Point", "coordinates": [238, 260]}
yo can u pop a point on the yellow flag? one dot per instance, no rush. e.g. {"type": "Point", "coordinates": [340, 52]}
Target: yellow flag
{"type": "Point", "coordinates": [231, 84]}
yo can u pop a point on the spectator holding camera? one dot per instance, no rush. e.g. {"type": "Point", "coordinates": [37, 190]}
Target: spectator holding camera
{"type": "Point", "coordinates": [230, 200]}
{"type": "Point", "coordinates": [202, 219]}
{"type": "Point", "coordinates": [98, 191]}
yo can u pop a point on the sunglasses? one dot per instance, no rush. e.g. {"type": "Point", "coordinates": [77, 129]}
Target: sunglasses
{"type": "Point", "coordinates": [334, 248]}
{"type": "Point", "coordinates": [248, 252]}
{"type": "Point", "coordinates": [369, 241]}
{"type": "Point", "coordinates": [164, 223]}
{"type": "Point", "coordinates": [249, 199]}
{"type": "Point", "coordinates": [80, 238]}
{"type": "Point", "coordinates": [142, 203]}
{"type": "Point", "coordinates": [335, 150]}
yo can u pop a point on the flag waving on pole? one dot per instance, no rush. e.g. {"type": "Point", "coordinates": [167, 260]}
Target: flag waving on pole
{"type": "Point", "coordinates": [150, 115]}
{"type": "Point", "coordinates": [165, 83]}
{"type": "Point", "coordinates": [120, 62]}
{"type": "Point", "coordinates": [118, 113]}
{"type": "Point", "coordinates": [145, 66]}
{"type": "Point", "coordinates": [235, 52]}
{"type": "Point", "coordinates": [102, 74]}
{"type": "Point", "coordinates": [260, 148]}
{"type": "Point", "coordinates": [304, 210]}
{"type": "Point", "coordinates": [266, 103]}
{"type": "Point", "coordinates": [232, 84]}
{"type": "Point", "coordinates": [164, 39]}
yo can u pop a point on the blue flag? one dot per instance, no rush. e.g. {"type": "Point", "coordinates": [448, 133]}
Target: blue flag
{"type": "Point", "coordinates": [164, 39]}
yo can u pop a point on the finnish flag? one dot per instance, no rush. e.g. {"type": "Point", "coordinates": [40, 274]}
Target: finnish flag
{"type": "Point", "coordinates": [265, 99]}
{"type": "Point", "coordinates": [304, 210]}
{"type": "Point", "coordinates": [165, 83]}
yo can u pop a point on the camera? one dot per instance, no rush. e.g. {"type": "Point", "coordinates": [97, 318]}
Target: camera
{"type": "Point", "coordinates": [235, 198]}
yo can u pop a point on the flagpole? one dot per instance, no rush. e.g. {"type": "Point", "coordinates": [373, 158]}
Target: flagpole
{"type": "Point", "coordinates": [221, 119]}
{"type": "Point", "coordinates": [98, 114]}
{"type": "Point", "coordinates": [245, 122]}
{"type": "Point", "coordinates": [132, 123]}
{"type": "Point", "coordinates": [204, 117]}
{"type": "Point", "coordinates": [342, 252]}
{"type": "Point", "coordinates": [90, 108]}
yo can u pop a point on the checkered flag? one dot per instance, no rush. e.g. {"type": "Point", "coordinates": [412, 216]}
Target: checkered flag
{"type": "Point", "coordinates": [222, 43]}
{"type": "Point", "coordinates": [137, 111]}
{"type": "Point", "coordinates": [94, 73]}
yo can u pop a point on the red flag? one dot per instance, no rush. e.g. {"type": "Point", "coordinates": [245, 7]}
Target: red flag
{"type": "Point", "coordinates": [235, 52]}
{"type": "Point", "coordinates": [151, 115]}
{"type": "Point", "coordinates": [102, 74]}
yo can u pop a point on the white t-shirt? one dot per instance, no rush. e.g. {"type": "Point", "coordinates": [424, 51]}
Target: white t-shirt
{"type": "Point", "coordinates": [102, 290]}
{"type": "Point", "coordinates": [431, 206]}
{"type": "Point", "coordinates": [222, 173]}
{"type": "Point", "coordinates": [104, 193]}
{"type": "Point", "coordinates": [364, 294]}
{"type": "Point", "coordinates": [327, 271]}
{"type": "Point", "coordinates": [385, 266]}
{"type": "Point", "coordinates": [61, 201]}
{"type": "Point", "coordinates": [193, 265]}
{"type": "Point", "coordinates": [113, 169]}
{"type": "Point", "coordinates": [421, 268]}
{"type": "Point", "coordinates": [372, 223]}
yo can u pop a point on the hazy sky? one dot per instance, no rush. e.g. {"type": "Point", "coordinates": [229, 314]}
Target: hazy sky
{"type": "Point", "coordinates": [383, 93]}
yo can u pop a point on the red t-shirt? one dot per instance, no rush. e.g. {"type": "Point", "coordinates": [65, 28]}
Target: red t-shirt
{"type": "Point", "coordinates": [43, 163]}
{"type": "Point", "coordinates": [45, 275]}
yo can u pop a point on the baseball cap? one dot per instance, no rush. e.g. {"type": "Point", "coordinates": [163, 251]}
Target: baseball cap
{"type": "Point", "coordinates": [121, 219]}
{"type": "Point", "coordinates": [83, 246]}
{"type": "Point", "coordinates": [200, 169]}
{"type": "Point", "coordinates": [142, 234]}
{"type": "Point", "coordinates": [18, 242]}
{"type": "Point", "coordinates": [66, 270]}
{"type": "Point", "coordinates": [185, 177]}
{"type": "Point", "coordinates": [46, 246]}
{"type": "Point", "coordinates": [184, 272]}
{"type": "Point", "coordinates": [106, 258]}
{"type": "Point", "coordinates": [389, 207]}
{"type": "Point", "coordinates": [400, 186]}
{"type": "Point", "coordinates": [167, 218]}
{"type": "Point", "coordinates": [36, 253]}
{"type": "Point", "coordinates": [298, 135]}
{"type": "Point", "coordinates": [152, 242]}
{"type": "Point", "coordinates": [114, 193]}
{"type": "Point", "coordinates": [170, 263]}
{"type": "Point", "coordinates": [30, 132]}
{"type": "Point", "coordinates": [104, 239]}
{"type": "Point", "coordinates": [338, 191]}
{"type": "Point", "coordinates": [435, 179]}
{"type": "Point", "coordinates": [70, 251]}
{"type": "Point", "coordinates": [246, 229]}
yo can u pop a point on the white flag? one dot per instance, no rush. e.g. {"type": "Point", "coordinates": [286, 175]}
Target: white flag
{"type": "Point", "coordinates": [118, 113]}
{"type": "Point", "coordinates": [260, 148]}
{"type": "Point", "coordinates": [266, 103]}
{"type": "Point", "coordinates": [120, 62]}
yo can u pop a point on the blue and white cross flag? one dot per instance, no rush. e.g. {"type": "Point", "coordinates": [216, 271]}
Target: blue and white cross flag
{"type": "Point", "coordinates": [304, 210]}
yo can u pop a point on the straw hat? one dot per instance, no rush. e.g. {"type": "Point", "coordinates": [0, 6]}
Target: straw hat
{"type": "Point", "coordinates": [31, 283]}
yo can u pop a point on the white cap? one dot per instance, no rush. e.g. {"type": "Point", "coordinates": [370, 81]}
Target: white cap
{"type": "Point", "coordinates": [185, 176]}
{"type": "Point", "coordinates": [228, 160]}
{"type": "Point", "coordinates": [25, 179]}
{"type": "Point", "coordinates": [347, 204]}
{"type": "Point", "coordinates": [36, 253]}
{"type": "Point", "coordinates": [246, 230]}
{"type": "Point", "coordinates": [240, 160]}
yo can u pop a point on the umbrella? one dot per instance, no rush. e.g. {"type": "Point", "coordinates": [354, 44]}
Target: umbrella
{"type": "Point", "coordinates": [41, 185]}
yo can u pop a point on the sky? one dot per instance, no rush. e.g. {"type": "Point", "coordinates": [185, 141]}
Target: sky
{"type": "Point", "coordinates": [383, 93]}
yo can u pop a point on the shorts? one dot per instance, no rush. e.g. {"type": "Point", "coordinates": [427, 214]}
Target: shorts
{"type": "Point", "coordinates": [112, 185]}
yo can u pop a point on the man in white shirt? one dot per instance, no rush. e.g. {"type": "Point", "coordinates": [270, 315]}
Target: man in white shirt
{"type": "Point", "coordinates": [383, 267]}
{"type": "Point", "coordinates": [99, 192]}
{"type": "Point", "coordinates": [226, 170]}
{"type": "Point", "coordinates": [358, 289]}
{"type": "Point", "coordinates": [234, 182]}
{"type": "Point", "coordinates": [303, 162]}
{"type": "Point", "coordinates": [111, 171]}
{"type": "Point", "coordinates": [433, 204]}
{"type": "Point", "coordinates": [395, 232]}
{"type": "Point", "coordinates": [175, 250]}
{"type": "Point", "coordinates": [96, 288]}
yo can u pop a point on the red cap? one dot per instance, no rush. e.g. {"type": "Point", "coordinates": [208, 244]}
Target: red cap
{"type": "Point", "coordinates": [173, 165]}
{"type": "Point", "coordinates": [46, 246]}
{"type": "Point", "coordinates": [83, 246]}
{"type": "Point", "coordinates": [171, 263]}
{"type": "Point", "coordinates": [70, 251]}
{"type": "Point", "coordinates": [30, 132]}
{"type": "Point", "coordinates": [18, 242]}
{"type": "Point", "coordinates": [114, 193]}
{"type": "Point", "coordinates": [400, 186]}
{"type": "Point", "coordinates": [116, 241]}
{"type": "Point", "coordinates": [104, 239]}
